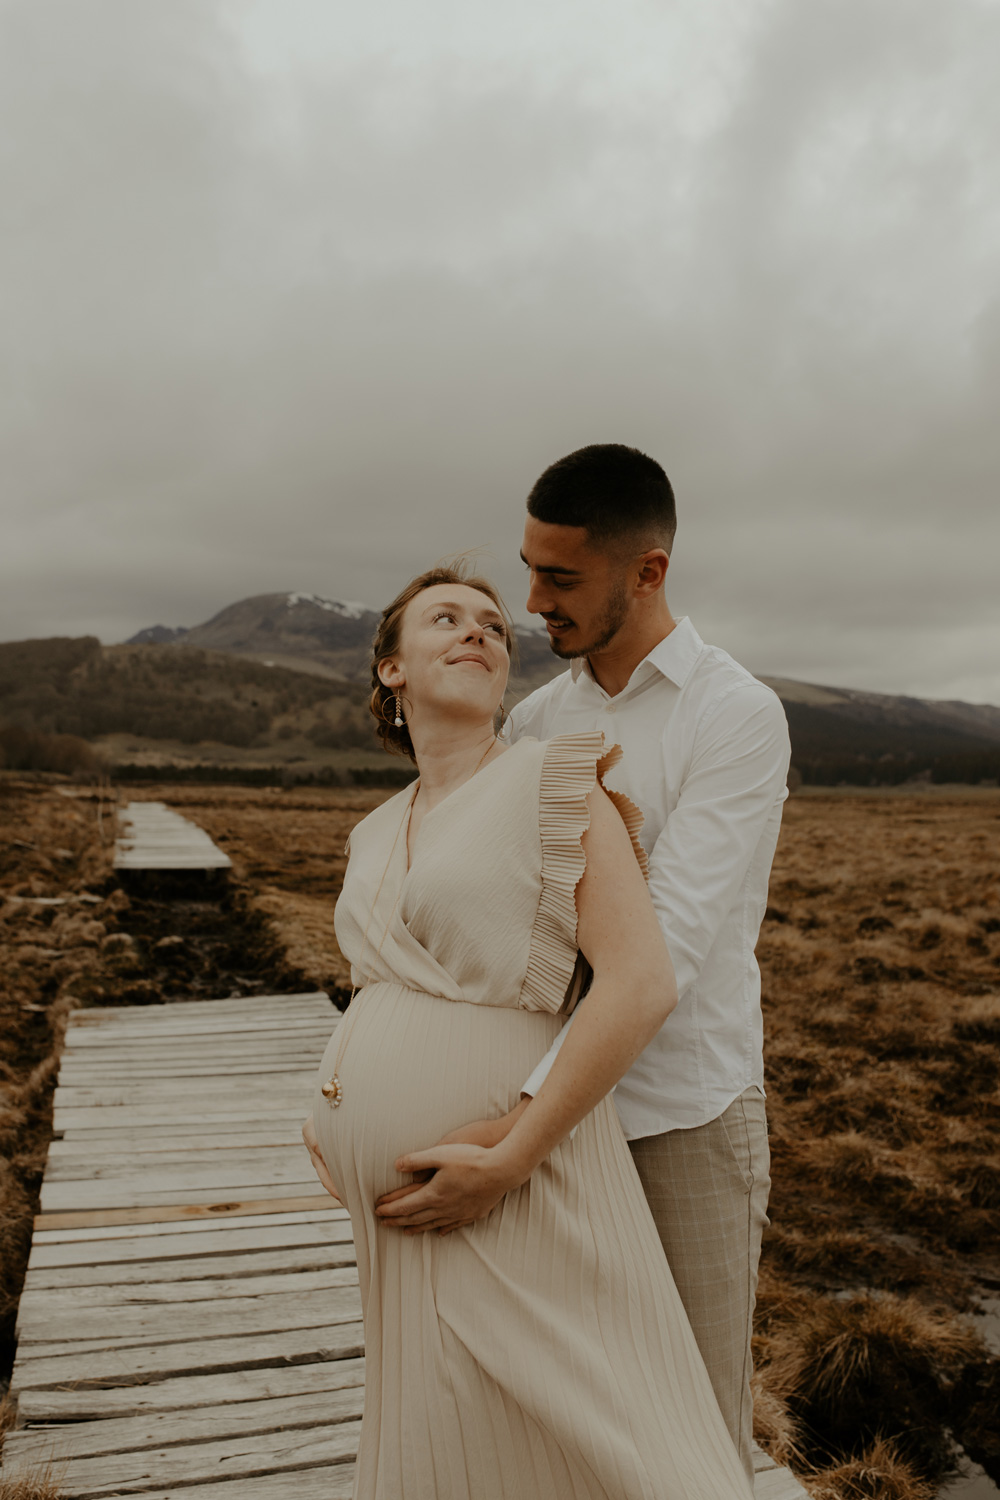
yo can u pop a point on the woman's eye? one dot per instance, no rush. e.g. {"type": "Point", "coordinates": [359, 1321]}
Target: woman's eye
{"type": "Point", "coordinates": [445, 614]}
{"type": "Point", "coordinates": [501, 631]}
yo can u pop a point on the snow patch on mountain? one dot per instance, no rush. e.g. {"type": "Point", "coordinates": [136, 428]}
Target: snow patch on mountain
{"type": "Point", "coordinates": [347, 609]}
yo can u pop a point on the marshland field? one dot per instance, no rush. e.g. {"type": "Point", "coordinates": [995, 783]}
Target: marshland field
{"type": "Point", "coordinates": [878, 1335]}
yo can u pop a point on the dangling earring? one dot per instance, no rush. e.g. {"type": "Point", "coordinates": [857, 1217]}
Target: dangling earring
{"type": "Point", "coordinates": [398, 721]}
{"type": "Point", "coordinates": [503, 719]}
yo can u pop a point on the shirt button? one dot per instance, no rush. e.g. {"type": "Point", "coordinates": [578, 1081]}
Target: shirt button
{"type": "Point", "coordinates": [609, 708]}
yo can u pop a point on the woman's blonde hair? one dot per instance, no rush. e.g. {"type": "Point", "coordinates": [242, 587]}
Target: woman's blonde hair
{"type": "Point", "coordinates": [386, 643]}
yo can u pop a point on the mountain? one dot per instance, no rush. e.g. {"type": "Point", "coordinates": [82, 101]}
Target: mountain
{"type": "Point", "coordinates": [838, 734]}
{"type": "Point", "coordinates": [326, 637]}
{"type": "Point", "coordinates": [843, 735]}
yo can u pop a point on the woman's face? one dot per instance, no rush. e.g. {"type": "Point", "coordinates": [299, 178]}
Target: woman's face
{"type": "Point", "coordinates": [452, 654]}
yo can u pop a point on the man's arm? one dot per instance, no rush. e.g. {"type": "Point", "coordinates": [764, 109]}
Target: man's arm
{"type": "Point", "coordinates": [631, 995]}
{"type": "Point", "coordinates": [702, 856]}
{"type": "Point", "coordinates": [701, 859]}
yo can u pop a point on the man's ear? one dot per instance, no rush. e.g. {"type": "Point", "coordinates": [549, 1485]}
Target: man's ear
{"type": "Point", "coordinates": [651, 571]}
{"type": "Point", "coordinates": [391, 674]}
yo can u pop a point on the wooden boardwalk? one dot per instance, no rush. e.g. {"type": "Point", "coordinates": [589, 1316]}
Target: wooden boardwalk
{"type": "Point", "coordinates": [190, 1327]}
{"type": "Point", "coordinates": [154, 837]}
{"type": "Point", "coordinates": [190, 1323]}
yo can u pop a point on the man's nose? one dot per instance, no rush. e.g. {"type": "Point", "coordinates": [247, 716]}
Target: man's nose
{"type": "Point", "coordinates": [538, 601]}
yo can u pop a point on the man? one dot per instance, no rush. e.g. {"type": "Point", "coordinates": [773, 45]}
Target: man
{"type": "Point", "coordinates": [706, 759]}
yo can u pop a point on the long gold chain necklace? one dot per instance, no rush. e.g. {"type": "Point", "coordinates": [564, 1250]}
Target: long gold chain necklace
{"type": "Point", "coordinates": [332, 1090]}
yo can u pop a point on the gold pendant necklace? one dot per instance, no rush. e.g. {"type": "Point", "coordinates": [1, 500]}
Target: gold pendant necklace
{"type": "Point", "coordinates": [332, 1090]}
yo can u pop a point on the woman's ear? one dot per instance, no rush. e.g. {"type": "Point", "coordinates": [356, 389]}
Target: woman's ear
{"type": "Point", "coordinates": [390, 674]}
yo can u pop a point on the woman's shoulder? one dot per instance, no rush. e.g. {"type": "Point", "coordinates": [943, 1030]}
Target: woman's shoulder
{"type": "Point", "coordinates": [386, 816]}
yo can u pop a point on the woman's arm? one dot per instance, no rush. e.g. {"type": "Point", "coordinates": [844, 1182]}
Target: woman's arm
{"type": "Point", "coordinates": [631, 995]}
{"type": "Point", "coordinates": [316, 1157]}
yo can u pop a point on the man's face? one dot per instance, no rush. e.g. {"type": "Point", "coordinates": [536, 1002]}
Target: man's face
{"type": "Point", "coordinates": [579, 592]}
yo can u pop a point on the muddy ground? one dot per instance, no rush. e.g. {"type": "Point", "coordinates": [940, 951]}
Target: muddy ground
{"type": "Point", "coordinates": [881, 963]}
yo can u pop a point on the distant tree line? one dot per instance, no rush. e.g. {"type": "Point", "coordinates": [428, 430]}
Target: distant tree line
{"type": "Point", "coordinates": [31, 750]}
{"type": "Point", "coordinates": [391, 774]}
{"type": "Point", "coordinates": [971, 767]}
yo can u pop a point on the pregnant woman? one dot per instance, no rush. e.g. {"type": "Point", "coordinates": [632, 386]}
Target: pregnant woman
{"type": "Point", "coordinates": [542, 1352]}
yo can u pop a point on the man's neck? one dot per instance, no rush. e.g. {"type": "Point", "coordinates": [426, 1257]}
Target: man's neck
{"type": "Point", "coordinates": [612, 667]}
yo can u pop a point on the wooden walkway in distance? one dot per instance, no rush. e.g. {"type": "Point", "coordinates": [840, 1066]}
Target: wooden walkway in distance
{"type": "Point", "coordinates": [190, 1327]}
{"type": "Point", "coordinates": [154, 837]}
{"type": "Point", "coordinates": [190, 1324]}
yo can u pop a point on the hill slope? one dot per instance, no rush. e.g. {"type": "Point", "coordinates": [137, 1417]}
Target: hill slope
{"type": "Point", "coordinates": [187, 695]}
{"type": "Point", "coordinates": [293, 669]}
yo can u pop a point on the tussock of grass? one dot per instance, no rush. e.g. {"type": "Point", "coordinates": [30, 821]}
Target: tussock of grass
{"type": "Point", "coordinates": [32, 1484]}
{"type": "Point", "coordinates": [876, 1474]}
{"type": "Point", "coordinates": [35, 1483]}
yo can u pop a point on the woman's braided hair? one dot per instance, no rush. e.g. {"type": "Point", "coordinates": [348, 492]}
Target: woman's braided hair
{"type": "Point", "coordinates": [386, 643]}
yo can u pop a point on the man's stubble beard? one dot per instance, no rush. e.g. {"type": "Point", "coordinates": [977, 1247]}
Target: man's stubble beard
{"type": "Point", "coordinates": [612, 619]}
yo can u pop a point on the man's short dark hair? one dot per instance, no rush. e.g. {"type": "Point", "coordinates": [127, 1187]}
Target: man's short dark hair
{"type": "Point", "coordinates": [617, 494]}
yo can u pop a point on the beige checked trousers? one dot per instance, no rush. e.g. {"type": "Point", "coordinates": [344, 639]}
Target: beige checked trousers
{"type": "Point", "coordinates": [707, 1189]}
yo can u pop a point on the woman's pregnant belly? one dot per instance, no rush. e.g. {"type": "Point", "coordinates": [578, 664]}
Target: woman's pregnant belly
{"type": "Point", "coordinates": [412, 1068]}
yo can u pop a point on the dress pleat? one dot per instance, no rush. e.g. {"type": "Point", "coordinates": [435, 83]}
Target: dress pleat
{"type": "Point", "coordinates": [541, 1353]}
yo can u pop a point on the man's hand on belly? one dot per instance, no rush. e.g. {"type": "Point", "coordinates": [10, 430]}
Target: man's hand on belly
{"type": "Point", "coordinates": [455, 1188]}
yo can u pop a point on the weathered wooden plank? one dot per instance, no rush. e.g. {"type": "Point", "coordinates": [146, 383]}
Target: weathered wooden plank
{"type": "Point", "coordinates": [204, 1424]}
{"type": "Point", "coordinates": [323, 1483]}
{"type": "Point", "coordinates": [67, 1196]}
{"type": "Point", "coordinates": [125, 1366]}
{"type": "Point", "coordinates": [225, 1317]}
{"type": "Point", "coordinates": [222, 1003]}
{"type": "Point", "coordinates": [187, 1212]}
{"type": "Point", "coordinates": [221, 1086]}
{"type": "Point", "coordinates": [233, 1386]}
{"type": "Point", "coordinates": [252, 1263]}
{"type": "Point", "coordinates": [241, 1010]}
{"type": "Point", "coordinates": [161, 1247]}
{"type": "Point", "coordinates": [183, 1465]}
{"type": "Point", "coordinates": [174, 1168]}
{"type": "Point", "coordinates": [320, 1209]}
{"type": "Point", "coordinates": [777, 1484]}
{"type": "Point", "coordinates": [231, 1045]}
{"type": "Point", "coordinates": [180, 1033]}
{"type": "Point", "coordinates": [157, 1141]}
{"type": "Point", "coordinates": [40, 1303]}
{"type": "Point", "coordinates": [148, 1116]}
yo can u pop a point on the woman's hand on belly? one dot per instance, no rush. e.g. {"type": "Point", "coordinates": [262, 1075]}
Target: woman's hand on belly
{"type": "Point", "coordinates": [315, 1155]}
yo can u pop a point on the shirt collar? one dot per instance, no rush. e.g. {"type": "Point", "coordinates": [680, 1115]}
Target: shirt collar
{"type": "Point", "coordinates": [673, 658]}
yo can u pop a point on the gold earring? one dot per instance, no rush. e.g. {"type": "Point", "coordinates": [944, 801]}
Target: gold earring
{"type": "Point", "coordinates": [398, 721]}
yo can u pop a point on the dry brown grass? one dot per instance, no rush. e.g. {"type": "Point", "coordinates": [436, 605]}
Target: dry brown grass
{"type": "Point", "coordinates": [51, 846]}
{"type": "Point", "coordinates": [878, 1473]}
{"type": "Point", "coordinates": [881, 963]}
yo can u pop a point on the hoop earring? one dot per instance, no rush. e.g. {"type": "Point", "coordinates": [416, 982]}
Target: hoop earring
{"type": "Point", "coordinates": [395, 719]}
{"type": "Point", "coordinates": [504, 716]}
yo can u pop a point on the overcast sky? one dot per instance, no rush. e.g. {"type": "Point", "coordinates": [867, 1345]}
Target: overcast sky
{"type": "Point", "coordinates": [301, 295]}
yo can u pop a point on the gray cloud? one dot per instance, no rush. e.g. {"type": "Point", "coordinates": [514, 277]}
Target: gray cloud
{"type": "Point", "coordinates": [288, 304]}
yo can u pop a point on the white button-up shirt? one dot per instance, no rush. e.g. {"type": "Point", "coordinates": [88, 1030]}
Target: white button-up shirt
{"type": "Point", "coordinates": [706, 760]}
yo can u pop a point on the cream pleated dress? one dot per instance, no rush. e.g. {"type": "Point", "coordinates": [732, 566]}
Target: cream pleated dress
{"type": "Point", "coordinates": [542, 1353]}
